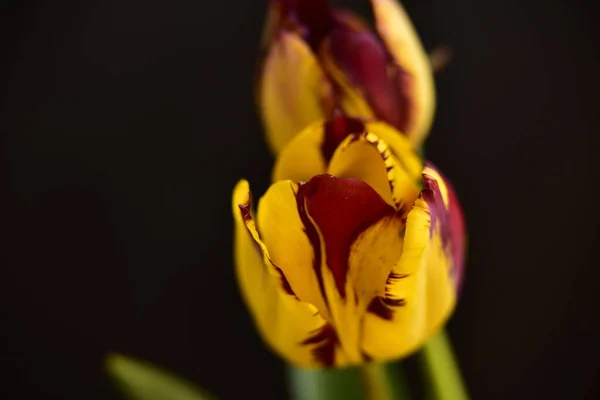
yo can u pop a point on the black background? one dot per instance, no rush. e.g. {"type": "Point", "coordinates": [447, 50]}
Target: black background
{"type": "Point", "coordinates": [125, 125]}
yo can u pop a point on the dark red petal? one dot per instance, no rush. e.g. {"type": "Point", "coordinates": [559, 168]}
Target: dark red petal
{"type": "Point", "coordinates": [336, 130]}
{"type": "Point", "coordinates": [314, 17]}
{"type": "Point", "coordinates": [457, 232]}
{"type": "Point", "coordinates": [450, 220]}
{"type": "Point", "coordinates": [342, 208]}
{"type": "Point", "coordinates": [369, 66]}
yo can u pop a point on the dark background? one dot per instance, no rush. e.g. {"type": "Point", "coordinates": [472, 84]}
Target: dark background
{"type": "Point", "coordinates": [125, 125]}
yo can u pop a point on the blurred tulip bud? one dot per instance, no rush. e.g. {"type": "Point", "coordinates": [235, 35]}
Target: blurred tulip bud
{"type": "Point", "coordinates": [318, 58]}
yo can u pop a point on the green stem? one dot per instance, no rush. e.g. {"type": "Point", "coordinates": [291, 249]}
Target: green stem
{"type": "Point", "coordinates": [324, 384]}
{"type": "Point", "coordinates": [384, 382]}
{"type": "Point", "coordinates": [441, 370]}
{"type": "Point", "coordinates": [371, 381]}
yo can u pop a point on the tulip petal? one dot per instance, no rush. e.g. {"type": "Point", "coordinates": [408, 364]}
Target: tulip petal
{"type": "Point", "coordinates": [302, 158]}
{"type": "Point", "coordinates": [313, 17]}
{"type": "Point", "coordinates": [402, 148]}
{"type": "Point", "coordinates": [307, 154]}
{"type": "Point", "coordinates": [291, 246]}
{"type": "Point", "coordinates": [336, 130]}
{"type": "Point", "coordinates": [369, 69]}
{"type": "Point", "coordinates": [294, 91]}
{"type": "Point", "coordinates": [402, 41]}
{"type": "Point", "coordinates": [358, 237]}
{"type": "Point", "coordinates": [350, 97]}
{"type": "Point", "coordinates": [293, 328]}
{"type": "Point", "coordinates": [421, 289]}
{"type": "Point", "coordinates": [366, 157]}
{"type": "Point", "coordinates": [341, 209]}
{"type": "Point", "coordinates": [451, 220]}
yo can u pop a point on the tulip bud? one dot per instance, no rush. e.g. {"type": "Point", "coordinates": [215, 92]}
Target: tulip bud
{"type": "Point", "coordinates": [319, 58]}
{"type": "Point", "coordinates": [357, 249]}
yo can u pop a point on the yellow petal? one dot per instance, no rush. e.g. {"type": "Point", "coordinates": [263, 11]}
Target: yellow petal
{"type": "Point", "coordinates": [294, 91]}
{"type": "Point", "coordinates": [367, 157]}
{"type": "Point", "coordinates": [403, 43]}
{"type": "Point", "coordinates": [302, 158]}
{"type": "Point", "coordinates": [421, 290]}
{"type": "Point", "coordinates": [402, 148]}
{"type": "Point", "coordinates": [307, 154]}
{"type": "Point", "coordinates": [291, 327]}
{"type": "Point", "coordinates": [286, 237]}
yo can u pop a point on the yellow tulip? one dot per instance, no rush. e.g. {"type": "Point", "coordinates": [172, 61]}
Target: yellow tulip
{"type": "Point", "coordinates": [319, 58]}
{"type": "Point", "coordinates": [355, 253]}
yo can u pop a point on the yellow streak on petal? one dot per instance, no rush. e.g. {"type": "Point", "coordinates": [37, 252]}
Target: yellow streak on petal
{"type": "Point", "coordinates": [402, 41]}
{"type": "Point", "coordinates": [283, 321]}
{"type": "Point", "coordinates": [293, 90]}
{"type": "Point", "coordinates": [351, 99]}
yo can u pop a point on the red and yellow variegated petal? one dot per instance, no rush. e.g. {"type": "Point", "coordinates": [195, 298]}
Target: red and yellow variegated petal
{"type": "Point", "coordinates": [294, 91]}
{"type": "Point", "coordinates": [367, 157]}
{"type": "Point", "coordinates": [289, 242]}
{"type": "Point", "coordinates": [370, 69]}
{"type": "Point", "coordinates": [309, 152]}
{"type": "Point", "coordinates": [402, 148]}
{"type": "Point", "coordinates": [350, 97]}
{"type": "Point", "coordinates": [450, 218]}
{"type": "Point", "coordinates": [291, 327]}
{"type": "Point", "coordinates": [337, 129]}
{"type": "Point", "coordinates": [357, 235]}
{"type": "Point", "coordinates": [421, 290]}
{"type": "Point", "coordinates": [403, 43]}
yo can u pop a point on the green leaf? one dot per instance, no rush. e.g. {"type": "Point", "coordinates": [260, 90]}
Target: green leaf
{"type": "Point", "coordinates": [140, 380]}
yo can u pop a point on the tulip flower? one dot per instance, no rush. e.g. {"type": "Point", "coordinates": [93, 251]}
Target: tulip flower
{"type": "Point", "coordinates": [319, 58]}
{"type": "Point", "coordinates": [355, 253]}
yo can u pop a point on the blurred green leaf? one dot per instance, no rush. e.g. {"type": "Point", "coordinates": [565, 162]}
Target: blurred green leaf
{"type": "Point", "coordinates": [140, 380]}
